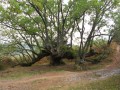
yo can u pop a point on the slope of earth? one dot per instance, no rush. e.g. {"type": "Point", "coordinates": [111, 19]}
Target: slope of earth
{"type": "Point", "coordinates": [59, 80]}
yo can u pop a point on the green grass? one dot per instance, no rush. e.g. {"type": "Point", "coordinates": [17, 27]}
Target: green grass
{"type": "Point", "coordinates": [16, 75]}
{"type": "Point", "coordinates": [19, 74]}
{"type": "Point", "coordinates": [100, 65]}
{"type": "Point", "coordinates": [96, 66]}
{"type": "Point", "coordinates": [2, 67]}
{"type": "Point", "coordinates": [112, 83]}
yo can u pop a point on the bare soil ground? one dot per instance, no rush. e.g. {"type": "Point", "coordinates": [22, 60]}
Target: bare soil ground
{"type": "Point", "coordinates": [59, 80]}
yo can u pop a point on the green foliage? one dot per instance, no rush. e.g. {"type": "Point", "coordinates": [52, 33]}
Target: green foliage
{"type": "Point", "coordinates": [69, 52]}
{"type": "Point", "coordinates": [97, 58]}
{"type": "Point", "coordinates": [1, 65]}
{"type": "Point", "coordinates": [41, 22]}
{"type": "Point", "coordinates": [6, 49]}
{"type": "Point", "coordinates": [103, 51]}
{"type": "Point", "coordinates": [75, 49]}
{"type": "Point", "coordinates": [116, 30]}
{"type": "Point", "coordinates": [38, 3]}
{"type": "Point", "coordinates": [79, 8]}
{"type": "Point", "coordinates": [5, 58]}
{"type": "Point", "coordinates": [99, 43]}
{"type": "Point", "coordinates": [101, 46]}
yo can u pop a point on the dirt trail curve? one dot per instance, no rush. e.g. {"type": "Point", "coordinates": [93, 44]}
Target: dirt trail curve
{"type": "Point", "coordinates": [59, 79]}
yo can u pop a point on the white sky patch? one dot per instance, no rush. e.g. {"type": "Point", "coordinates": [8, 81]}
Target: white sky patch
{"type": "Point", "coordinates": [65, 1]}
{"type": "Point", "coordinates": [104, 30]}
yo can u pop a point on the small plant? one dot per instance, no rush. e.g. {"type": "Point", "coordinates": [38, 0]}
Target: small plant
{"type": "Point", "coordinates": [68, 52]}
{"type": "Point", "coordinates": [103, 51]}
{"type": "Point", "coordinates": [1, 65]}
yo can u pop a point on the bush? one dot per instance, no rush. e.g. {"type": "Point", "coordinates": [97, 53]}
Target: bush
{"type": "Point", "coordinates": [68, 52]}
{"type": "Point", "coordinates": [102, 49]}
{"type": "Point", "coordinates": [1, 65]}
{"type": "Point", "coordinates": [101, 46]}
{"type": "Point", "coordinates": [6, 62]}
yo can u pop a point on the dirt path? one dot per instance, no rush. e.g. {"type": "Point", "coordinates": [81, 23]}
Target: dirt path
{"type": "Point", "coordinates": [61, 79]}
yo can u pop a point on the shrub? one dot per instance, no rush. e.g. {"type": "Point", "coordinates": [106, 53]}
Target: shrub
{"type": "Point", "coordinates": [68, 52]}
{"type": "Point", "coordinates": [100, 46]}
{"type": "Point", "coordinates": [1, 65]}
{"type": "Point", "coordinates": [8, 61]}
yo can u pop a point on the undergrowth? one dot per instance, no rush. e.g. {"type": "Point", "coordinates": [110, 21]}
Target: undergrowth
{"type": "Point", "coordinates": [112, 83]}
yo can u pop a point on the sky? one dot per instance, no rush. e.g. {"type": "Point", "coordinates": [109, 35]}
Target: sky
{"type": "Point", "coordinates": [65, 1]}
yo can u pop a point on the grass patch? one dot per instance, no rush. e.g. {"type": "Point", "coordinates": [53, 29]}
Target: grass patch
{"type": "Point", "coordinates": [99, 65]}
{"type": "Point", "coordinates": [112, 83]}
{"type": "Point", "coordinates": [89, 66]}
{"type": "Point", "coordinates": [16, 75]}
{"type": "Point", "coordinates": [22, 72]}
{"type": "Point", "coordinates": [96, 66]}
{"type": "Point", "coordinates": [2, 66]}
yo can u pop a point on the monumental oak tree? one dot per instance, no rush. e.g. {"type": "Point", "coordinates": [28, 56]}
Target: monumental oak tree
{"type": "Point", "coordinates": [41, 27]}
